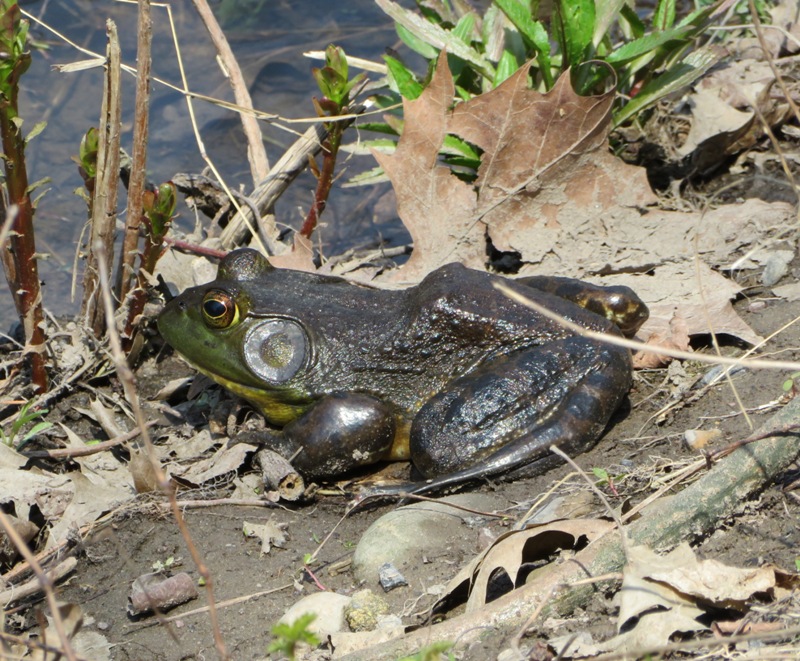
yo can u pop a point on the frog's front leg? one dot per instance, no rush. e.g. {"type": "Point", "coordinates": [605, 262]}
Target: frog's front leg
{"type": "Point", "coordinates": [505, 415]}
{"type": "Point", "coordinates": [340, 432]}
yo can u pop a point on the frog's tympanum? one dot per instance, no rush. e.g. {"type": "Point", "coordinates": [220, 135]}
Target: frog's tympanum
{"type": "Point", "coordinates": [451, 374]}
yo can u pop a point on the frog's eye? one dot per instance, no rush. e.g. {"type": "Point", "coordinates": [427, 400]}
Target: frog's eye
{"type": "Point", "coordinates": [275, 350]}
{"type": "Point", "coordinates": [219, 309]}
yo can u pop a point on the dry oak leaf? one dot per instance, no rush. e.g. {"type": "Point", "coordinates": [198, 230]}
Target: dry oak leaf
{"type": "Point", "coordinates": [545, 159]}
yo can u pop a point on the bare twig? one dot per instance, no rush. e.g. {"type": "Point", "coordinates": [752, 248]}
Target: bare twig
{"type": "Point", "coordinates": [291, 164]}
{"type": "Point", "coordinates": [44, 579]}
{"type": "Point", "coordinates": [752, 363]}
{"type": "Point", "coordinates": [34, 586]}
{"type": "Point", "coordinates": [126, 271]}
{"type": "Point", "coordinates": [19, 258]}
{"type": "Point", "coordinates": [61, 453]}
{"type": "Point", "coordinates": [106, 184]}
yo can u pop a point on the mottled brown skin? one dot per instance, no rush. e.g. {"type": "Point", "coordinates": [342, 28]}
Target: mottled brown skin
{"type": "Point", "coordinates": [450, 374]}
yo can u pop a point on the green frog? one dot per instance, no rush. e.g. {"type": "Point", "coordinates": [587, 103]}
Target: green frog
{"type": "Point", "coordinates": [450, 374]}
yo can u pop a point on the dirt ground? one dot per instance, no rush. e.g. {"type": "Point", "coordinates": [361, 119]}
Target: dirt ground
{"type": "Point", "coordinates": [644, 444]}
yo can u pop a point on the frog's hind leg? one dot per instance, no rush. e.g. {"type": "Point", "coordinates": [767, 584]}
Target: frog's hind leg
{"type": "Point", "coordinates": [505, 416]}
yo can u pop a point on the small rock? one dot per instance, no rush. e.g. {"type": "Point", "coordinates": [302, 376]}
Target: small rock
{"type": "Point", "coordinates": [776, 266]}
{"type": "Point", "coordinates": [327, 606]}
{"type": "Point", "coordinates": [365, 610]}
{"type": "Point", "coordinates": [408, 534]}
{"type": "Point", "coordinates": [390, 622]}
{"type": "Point", "coordinates": [390, 577]}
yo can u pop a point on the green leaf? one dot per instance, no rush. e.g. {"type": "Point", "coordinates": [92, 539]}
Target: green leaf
{"type": "Point", "coordinates": [414, 43]}
{"type": "Point", "coordinates": [533, 32]}
{"type": "Point", "coordinates": [453, 145]}
{"type": "Point", "coordinates": [505, 67]}
{"type": "Point", "coordinates": [33, 433]}
{"type": "Point", "coordinates": [377, 127]}
{"type": "Point", "coordinates": [369, 178]}
{"type": "Point", "coordinates": [36, 130]}
{"type": "Point", "coordinates": [465, 28]}
{"type": "Point", "coordinates": [635, 24]}
{"type": "Point", "coordinates": [607, 12]}
{"type": "Point", "coordinates": [647, 44]}
{"type": "Point", "coordinates": [406, 82]}
{"type": "Point", "coordinates": [433, 35]}
{"type": "Point", "coordinates": [685, 73]}
{"type": "Point", "coordinates": [364, 147]}
{"type": "Point", "coordinates": [664, 16]}
{"type": "Point", "coordinates": [576, 21]}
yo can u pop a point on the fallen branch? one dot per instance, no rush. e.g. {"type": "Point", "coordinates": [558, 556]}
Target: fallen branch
{"type": "Point", "coordinates": [283, 173]}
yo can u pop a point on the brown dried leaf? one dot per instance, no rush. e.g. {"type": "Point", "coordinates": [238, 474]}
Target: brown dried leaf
{"type": "Point", "coordinates": [299, 258]}
{"type": "Point", "coordinates": [436, 207]}
{"type": "Point", "coordinates": [545, 159]}
{"type": "Point", "coordinates": [511, 551]}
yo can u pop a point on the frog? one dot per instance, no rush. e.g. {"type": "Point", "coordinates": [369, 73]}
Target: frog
{"type": "Point", "coordinates": [450, 374]}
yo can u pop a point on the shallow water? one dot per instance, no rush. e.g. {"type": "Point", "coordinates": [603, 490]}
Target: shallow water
{"type": "Point", "coordinates": [268, 38]}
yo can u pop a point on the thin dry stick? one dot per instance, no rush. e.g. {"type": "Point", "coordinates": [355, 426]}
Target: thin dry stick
{"type": "Point", "coordinates": [751, 5]}
{"type": "Point", "coordinates": [126, 271]}
{"type": "Point", "coordinates": [126, 378]}
{"type": "Point", "coordinates": [106, 184]}
{"type": "Point", "coordinates": [88, 450]}
{"type": "Point", "coordinates": [222, 604]}
{"type": "Point", "coordinates": [32, 587]}
{"type": "Point", "coordinates": [609, 510]}
{"type": "Point", "coordinates": [256, 153]}
{"type": "Point", "coordinates": [196, 130]}
{"type": "Point", "coordinates": [45, 581]}
{"type": "Point", "coordinates": [283, 173]}
{"type": "Point", "coordinates": [752, 363]}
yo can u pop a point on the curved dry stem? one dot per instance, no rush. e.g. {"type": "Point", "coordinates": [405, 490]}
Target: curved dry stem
{"type": "Point", "coordinates": [752, 363]}
{"type": "Point", "coordinates": [256, 153]}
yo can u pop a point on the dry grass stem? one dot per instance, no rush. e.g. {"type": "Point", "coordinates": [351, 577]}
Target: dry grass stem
{"type": "Point", "coordinates": [256, 153]}
{"type": "Point", "coordinates": [104, 197]}
{"type": "Point", "coordinates": [641, 346]}
{"type": "Point", "coordinates": [126, 378]}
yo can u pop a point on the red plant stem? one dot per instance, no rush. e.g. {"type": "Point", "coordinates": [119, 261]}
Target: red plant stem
{"type": "Point", "coordinates": [324, 182]}
{"type": "Point", "coordinates": [19, 259]}
{"type": "Point", "coordinates": [194, 248]}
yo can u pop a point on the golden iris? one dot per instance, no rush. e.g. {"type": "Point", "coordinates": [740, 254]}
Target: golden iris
{"type": "Point", "coordinates": [219, 309]}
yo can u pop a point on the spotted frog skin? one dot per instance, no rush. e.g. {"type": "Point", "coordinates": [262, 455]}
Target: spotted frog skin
{"type": "Point", "coordinates": [450, 374]}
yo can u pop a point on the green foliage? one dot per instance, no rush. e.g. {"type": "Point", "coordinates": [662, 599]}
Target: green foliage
{"type": "Point", "coordinates": [163, 566]}
{"type": "Point", "coordinates": [13, 437]}
{"type": "Point", "coordinates": [159, 209]}
{"type": "Point", "coordinates": [87, 155]}
{"type": "Point", "coordinates": [602, 476]}
{"type": "Point", "coordinates": [596, 40]}
{"type": "Point", "coordinates": [288, 636]}
{"type": "Point", "coordinates": [332, 79]}
{"type": "Point", "coordinates": [790, 385]}
{"type": "Point", "coordinates": [13, 42]}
